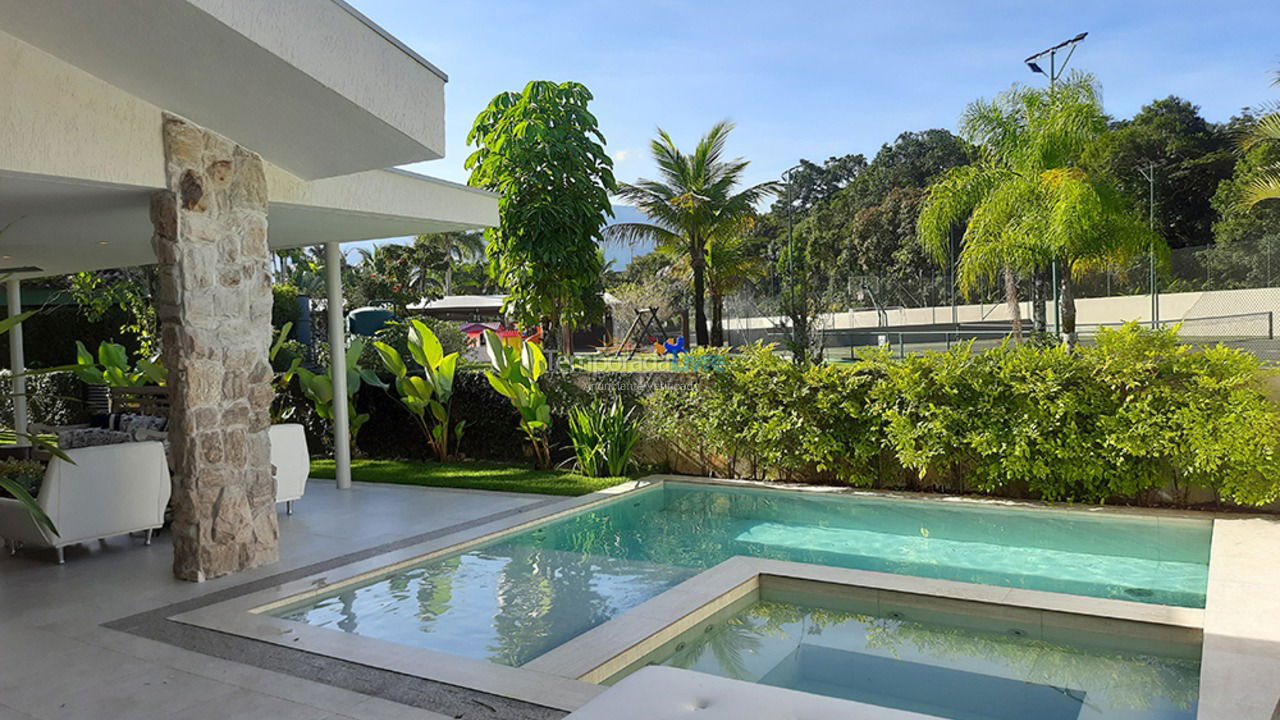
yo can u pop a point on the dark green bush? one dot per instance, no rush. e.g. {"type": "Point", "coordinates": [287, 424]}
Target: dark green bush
{"type": "Point", "coordinates": [284, 305]}
{"type": "Point", "coordinates": [1135, 413]}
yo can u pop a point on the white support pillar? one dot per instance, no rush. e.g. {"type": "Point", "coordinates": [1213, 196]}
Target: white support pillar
{"type": "Point", "coordinates": [337, 364]}
{"type": "Point", "coordinates": [18, 363]}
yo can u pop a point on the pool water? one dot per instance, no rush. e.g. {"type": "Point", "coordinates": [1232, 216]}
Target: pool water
{"type": "Point", "coordinates": [951, 664]}
{"type": "Point", "coordinates": [520, 595]}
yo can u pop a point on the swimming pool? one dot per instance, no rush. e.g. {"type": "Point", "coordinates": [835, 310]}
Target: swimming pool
{"type": "Point", "coordinates": [519, 595]}
{"type": "Point", "coordinates": [939, 660]}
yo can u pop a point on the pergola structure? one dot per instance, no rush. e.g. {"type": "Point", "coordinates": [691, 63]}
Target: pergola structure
{"type": "Point", "coordinates": [202, 135]}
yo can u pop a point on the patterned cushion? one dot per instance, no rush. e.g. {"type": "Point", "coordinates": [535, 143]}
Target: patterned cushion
{"type": "Point", "coordinates": [130, 423]}
{"type": "Point", "coordinates": [92, 437]}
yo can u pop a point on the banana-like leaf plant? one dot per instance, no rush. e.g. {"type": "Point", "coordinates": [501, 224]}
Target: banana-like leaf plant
{"type": "Point", "coordinates": [111, 367]}
{"type": "Point", "coordinates": [515, 374]}
{"type": "Point", "coordinates": [318, 387]}
{"type": "Point", "coordinates": [431, 392]}
{"type": "Point", "coordinates": [283, 411]}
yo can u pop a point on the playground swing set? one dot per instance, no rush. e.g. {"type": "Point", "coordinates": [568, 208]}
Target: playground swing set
{"type": "Point", "coordinates": [645, 332]}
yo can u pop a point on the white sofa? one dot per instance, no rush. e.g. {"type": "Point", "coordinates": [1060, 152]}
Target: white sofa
{"type": "Point", "coordinates": [109, 490]}
{"type": "Point", "coordinates": [291, 462]}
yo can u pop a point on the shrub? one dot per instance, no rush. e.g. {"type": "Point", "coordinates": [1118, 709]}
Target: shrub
{"type": "Point", "coordinates": [1135, 413]}
{"type": "Point", "coordinates": [603, 437]}
{"type": "Point", "coordinates": [284, 305]}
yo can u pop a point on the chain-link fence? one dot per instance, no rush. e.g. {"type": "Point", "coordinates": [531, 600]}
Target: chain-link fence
{"type": "Point", "coordinates": [1222, 293]}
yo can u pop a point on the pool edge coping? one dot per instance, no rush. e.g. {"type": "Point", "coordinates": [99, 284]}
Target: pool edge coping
{"type": "Point", "coordinates": [535, 682]}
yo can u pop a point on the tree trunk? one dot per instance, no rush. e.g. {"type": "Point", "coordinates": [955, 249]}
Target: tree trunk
{"type": "Point", "coordinates": [1067, 301]}
{"type": "Point", "coordinates": [1011, 297]}
{"type": "Point", "coordinates": [1038, 293]}
{"type": "Point", "coordinates": [566, 340]}
{"type": "Point", "coordinates": [698, 261]}
{"type": "Point", "coordinates": [717, 319]}
{"type": "Point", "coordinates": [684, 324]}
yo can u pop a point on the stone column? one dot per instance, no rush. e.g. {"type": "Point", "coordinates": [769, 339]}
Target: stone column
{"type": "Point", "coordinates": [214, 306]}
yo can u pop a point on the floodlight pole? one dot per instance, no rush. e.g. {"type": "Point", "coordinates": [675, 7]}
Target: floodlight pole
{"type": "Point", "coordinates": [1149, 174]}
{"type": "Point", "coordinates": [1054, 72]}
{"type": "Point", "coordinates": [791, 249]}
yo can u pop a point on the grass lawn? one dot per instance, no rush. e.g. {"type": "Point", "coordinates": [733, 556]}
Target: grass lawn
{"type": "Point", "coordinates": [473, 475]}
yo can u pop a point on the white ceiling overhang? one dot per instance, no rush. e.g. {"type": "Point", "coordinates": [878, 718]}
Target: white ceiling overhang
{"type": "Point", "coordinates": [311, 85]}
{"type": "Point", "coordinates": [62, 226]}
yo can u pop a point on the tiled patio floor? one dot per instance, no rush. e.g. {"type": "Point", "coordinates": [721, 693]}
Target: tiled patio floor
{"type": "Point", "coordinates": [57, 661]}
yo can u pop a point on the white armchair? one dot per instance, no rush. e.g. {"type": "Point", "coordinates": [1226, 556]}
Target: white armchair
{"type": "Point", "coordinates": [109, 490]}
{"type": "Point", "coordinates": [291, 462]}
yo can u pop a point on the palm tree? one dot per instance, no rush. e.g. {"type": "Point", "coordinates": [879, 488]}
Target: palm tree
{"type": "Point", "coordinates": [1028, 200]}
{"type": "Point", "coordinates": [1266, 184]}
{"type": "Point", "coordinates": [692, 204]}
{"type": "Point", "coordinates": [730, 265]}
{"type": "Point", "coordinates": [456, 247]}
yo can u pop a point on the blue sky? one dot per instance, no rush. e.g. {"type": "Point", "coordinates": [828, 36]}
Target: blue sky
{"type": "Point", "coordinates": [813, 79]}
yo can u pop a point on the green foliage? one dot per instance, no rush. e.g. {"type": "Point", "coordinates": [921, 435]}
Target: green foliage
{"type": "Point", "coordinates": [284, 305]}
{"type": "Point", "coordinates": [1136, 413]}
{"type": "Point", "coordinates": [1029, 201]}
{"type": "Point", "coordinates": [129, 289]}
{"type": "Point", "coordinates": [111, 367]}
{"type": "Point", "coordinates": [515, 375]}
{"type": "Point", "coordinates": [432, 391]}
{"type": "Point", "coordinates": [396, 334]}
{"type": "Point", "coordinates": [280, 410]}
{"type": "Point", "coordinates": [695, 202]}
{"type": "Point", "coordinates": [603, 437]}
{"type": "Point", "coordinates": [1264, 182]}
{"type": "Point", "coordinates": [318, 388]}
{"type": "Point", "coordinates": [542, 151]}
{"type": "Point", "coordinates": [472, 474]}
{"type": "Point", "coordinates": [28, 474]}
{"type": "Point", "coordinates": [1191, 156]}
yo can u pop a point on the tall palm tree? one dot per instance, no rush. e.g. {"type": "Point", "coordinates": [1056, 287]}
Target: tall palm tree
{"type": "Point", "coordinates": [730, 265]}
{"type": "Point", "coordinates": [694, 201]}
{"type": "Point", "coordinates": [1266, 184]}
{"type": "Point", "coordinates": [456, 248]}
{"type": "Point", "coordinates": [1029, 200]}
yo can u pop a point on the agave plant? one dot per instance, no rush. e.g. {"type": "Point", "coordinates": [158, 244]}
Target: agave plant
{"type": "Point", "coordinates": [430, 392]}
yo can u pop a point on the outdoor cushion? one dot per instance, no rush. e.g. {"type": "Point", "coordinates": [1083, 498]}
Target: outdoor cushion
{"type": "Point", "coordinates": [129, 422]}
{"type": "Point", "coordinates": [92, 437]}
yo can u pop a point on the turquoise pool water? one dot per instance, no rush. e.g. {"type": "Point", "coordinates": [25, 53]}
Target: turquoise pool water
{"type": "Point", "coordinates": [951, 664]}
{"type": "Point", "coordinates": [520, 595]}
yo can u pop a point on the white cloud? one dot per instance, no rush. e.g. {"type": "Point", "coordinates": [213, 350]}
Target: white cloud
{"type": "Point", "coordinates": [621, 156]}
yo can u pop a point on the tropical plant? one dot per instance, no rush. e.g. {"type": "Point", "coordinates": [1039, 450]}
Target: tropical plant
{"type": "Point", "coordinates": [282, 411]}
{"type": "Point", "coordinates": [111, 367]}
{"type": "Point", "coordinates": [21, 480]}
{"type": "Point", "coordinates": [453, 248]}
{"type": "Point", "coordinates": [318, 388]}
{"type": "Point", "coordinates": [430, 392]}
{"type": "Point", "coordinates": [695, 201]}
{"type": "Point", "coordinates": [731, 264]}
{"type": "Point", "coordinates": [515, 374]}
{"type": "Point", "coordinates": [1029, 201]}
{"type": "Point", "coordinates": [542, 151]}
{"type": "Point", "coordinates": [603, 437]}
{"type": "Point", "coordinates": [127, 290]}
{"type": "Point", "coordinates": [1266, 183]}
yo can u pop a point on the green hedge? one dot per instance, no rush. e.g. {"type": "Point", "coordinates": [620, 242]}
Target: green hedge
{"type": "Point", "coordinates": [1135, 413]}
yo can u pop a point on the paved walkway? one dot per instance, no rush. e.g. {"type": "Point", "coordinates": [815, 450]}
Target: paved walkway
{"type": "Point", "coordinates": [57, 662]}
